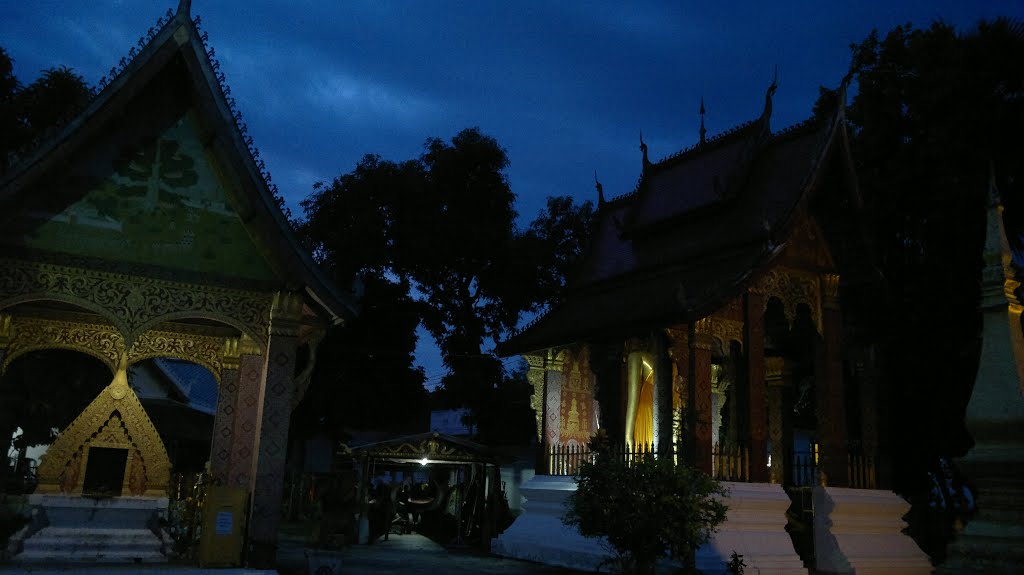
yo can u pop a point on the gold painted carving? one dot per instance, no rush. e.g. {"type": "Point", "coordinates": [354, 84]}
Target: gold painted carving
{"type": "Point", "coordinates": [830, 291]}
{"type": "Point", "coordinates": [536, 375]}
{"type": "Point", "coordinates": [703, 334]}
{"type": "Point", "coordinates": [25, 334]}
{"type": "Point", "coordinates": [792, 288]}
{"type": "Point", "coordinates": [114, 419]}
{"type": "Point", "coordinates": [132, 303]}
{"type": "Point", "coordinates": [286, 314]}
{"type": "Point", "coordinates": [207, 351]}
{"type": "Point", "coordinates": [774, 369]}
{"type": "Point", "coordinates": [105, 343]}
{"type": "Point", "coordinates": [432, 448]}
{"type": "Point", "coordinates": [5, 330]}
{"type": "Point", "coordinates": [726, 330]}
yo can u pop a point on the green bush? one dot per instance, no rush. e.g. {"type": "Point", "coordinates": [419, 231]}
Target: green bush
{"type": "Point", "coordinates": [646, 509]}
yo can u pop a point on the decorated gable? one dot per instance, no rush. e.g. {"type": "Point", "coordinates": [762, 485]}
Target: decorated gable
{"type": "Point", "coordinates": [162, 203]}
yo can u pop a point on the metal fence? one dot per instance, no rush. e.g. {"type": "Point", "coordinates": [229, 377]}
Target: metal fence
{"type": "Point", "coordinates": [729, 463]}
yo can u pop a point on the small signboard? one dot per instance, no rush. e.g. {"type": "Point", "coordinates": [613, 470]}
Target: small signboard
{"type": "Point", "coordinates": [223, 526]}
{"type": "Point", "coordinates": [225, 519]}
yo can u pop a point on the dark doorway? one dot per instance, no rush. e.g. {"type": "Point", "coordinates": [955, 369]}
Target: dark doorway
{"type": "Point", "coordinates": [104, 474]}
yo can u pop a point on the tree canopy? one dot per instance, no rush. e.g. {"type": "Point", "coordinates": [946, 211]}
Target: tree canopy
{"type": "Point", "coordinates": [441, 230]}
{"type": "Point", "coordinates": [28, 112]}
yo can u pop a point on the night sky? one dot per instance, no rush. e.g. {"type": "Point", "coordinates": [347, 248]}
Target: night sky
{"type": "Point", "coordinates": [565, 87]}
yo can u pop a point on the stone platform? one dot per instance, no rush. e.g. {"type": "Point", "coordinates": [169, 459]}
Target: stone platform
{"type": "Point", "coordinates": [75, 529]}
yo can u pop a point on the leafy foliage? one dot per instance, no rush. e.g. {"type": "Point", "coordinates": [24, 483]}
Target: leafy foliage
{"type": "Point", "coordinates": [647, 509]}
{"type": "Point", "coordinates": [28, 112]}
{"type": "Point", "coordinates": [440, 231]}
{"type": "Point", "coordinates": [936, 114]}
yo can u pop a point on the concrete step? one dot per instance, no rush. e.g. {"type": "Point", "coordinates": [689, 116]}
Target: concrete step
{"type": "Point", "coordinates": [91, 545]}
{"type": "Point", "coordinates": [108, 556]}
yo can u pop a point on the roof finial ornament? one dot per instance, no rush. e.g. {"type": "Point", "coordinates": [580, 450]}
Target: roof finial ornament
{"type": "Point", "coordinates": [184, 7]}
{"type": "Point", "coordinates": [643, 149]}
{"type": "Point", "coordinates": [600, 190]}
{"type": "Point", "coordinates": [771, 92]}
{"type": "Point", "coordinates": [703, 132]}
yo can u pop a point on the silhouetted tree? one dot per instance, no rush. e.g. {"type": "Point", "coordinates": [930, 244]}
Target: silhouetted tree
{"type": "Point", "coordinates": [934, 115]}
{"type": "Point", "coordinates": [443, 226]}
{"type": "Point", "coordinates": [27, 113]}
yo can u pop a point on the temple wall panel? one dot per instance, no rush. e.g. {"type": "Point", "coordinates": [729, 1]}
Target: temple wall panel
{"type": "Point", "coordinates": [552, 415]}
{"type": "Point", "coordinates": [576, 405]}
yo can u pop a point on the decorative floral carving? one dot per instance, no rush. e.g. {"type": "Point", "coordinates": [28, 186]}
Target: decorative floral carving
{"type": "Point", "coordinates": [792, 288]}
{"type": "Point", "coordinates": [133, 304]}
{"type": "Point", "coordinates": [207, 351]}
{"type": "Point", "coordinates": [726, 330]}
{"type": "Point", "coordinates": [30, 334]}
{"type": "Point", "coordinates": [110, 421]}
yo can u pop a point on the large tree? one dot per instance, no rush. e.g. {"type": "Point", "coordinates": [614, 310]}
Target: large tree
{"type": "Point", "coordinates": [444, 226]}
{"type": "Point", "coordinates": [28, 113]}
{"type": "Point", "coordinates": [936, 116]}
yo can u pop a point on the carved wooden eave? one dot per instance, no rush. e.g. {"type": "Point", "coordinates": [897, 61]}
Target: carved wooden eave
{"type": "Point", "coordinates": [115, 419]}
{"type": "Point", "coordinates": [427, 447]}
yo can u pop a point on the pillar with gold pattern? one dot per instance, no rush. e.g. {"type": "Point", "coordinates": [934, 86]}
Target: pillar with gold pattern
{"type": "Point", "coordinates": [829, 393]}
{"type": "Point", "coordinates": [774, 378]}
{"type": "Point", "coordinates": [275, 415]}
{"type": "Point", "coordinates": [699, 394]}
{"type": "Point", "coordinates": [223, 440]}
{"type": "Point", "coordinates": [753, 335]}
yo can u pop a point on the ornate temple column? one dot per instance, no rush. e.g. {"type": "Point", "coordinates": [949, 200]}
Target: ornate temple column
{"type": "Point", "coordinates": [830, 394]}
{"type": "Point", "coordinates": [663, 437]}
{"type": "Point", "coordinates": [224, 418]}
{"type": "Point", "coordinates": [535, 375]}
{"type": "Point", "coordinates": [753, 343]}
{"type": "Point", "coordinates": [718, 402]}
{"type": "Point", "coordinates": [245, 418]}
{"type": "Point", "coordinates": [699, 394]}
{"type": "Point", "coordinates": [776, 382]}
{"type": "Point", "coordinates": [868, 380]}
{"type": "Point", "coordinates": [678, 347]}
{"type": "Point", "coordinates": [275, 416]}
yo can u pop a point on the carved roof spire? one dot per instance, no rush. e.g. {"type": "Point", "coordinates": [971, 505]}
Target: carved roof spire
{"type": "Point", "coordinates": [703, 131]}
{"type": "Point", "coordinates": [600, 190]}
{"type": "Point", "coordinates": [184, 7]}
{"type": "Point", "coordinates": [643, 150]}
{"type": "Point", "coordinates": [769, 93]}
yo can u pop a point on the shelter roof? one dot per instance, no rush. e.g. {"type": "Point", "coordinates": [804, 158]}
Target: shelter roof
{"type": "Point", "coordinates": [429, 447]}
{"type": "Point", "coordinates": [700, 226]}
{"type": "Point", "coordinates": [193, 381]}
{"type": "Point", "coordinates": [173, 75]}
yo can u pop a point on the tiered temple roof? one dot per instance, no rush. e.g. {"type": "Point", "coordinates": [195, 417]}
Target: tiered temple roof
{"type": "Point", "coordinates": [700, 226]}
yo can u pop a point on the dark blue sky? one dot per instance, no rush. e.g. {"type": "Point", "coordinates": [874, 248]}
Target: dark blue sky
{"type": "Point", "coordinates": [565, 87]}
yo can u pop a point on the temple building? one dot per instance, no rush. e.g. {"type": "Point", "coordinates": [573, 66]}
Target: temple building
{"type": "Point", "coordinates": [711, 321]}
{"type": "Point", "coordinates": [146, 227]}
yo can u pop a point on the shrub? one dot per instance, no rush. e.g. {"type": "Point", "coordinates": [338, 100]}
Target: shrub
{"type": "Point", "coordinates": [647, 509]}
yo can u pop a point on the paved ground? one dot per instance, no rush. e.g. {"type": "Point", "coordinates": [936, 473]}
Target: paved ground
{"type": "Point", "coordinates": [411, 554]}
{"type": "Point", "coordinates": [414, 554]}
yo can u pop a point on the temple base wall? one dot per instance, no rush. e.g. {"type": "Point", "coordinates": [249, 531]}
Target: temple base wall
{"type": "Point", "coordinates": [756, 529]}
{"type": "Point", "coordinates": [539, 535]}
{"type": "Point", "coordinates": [861, 531]}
